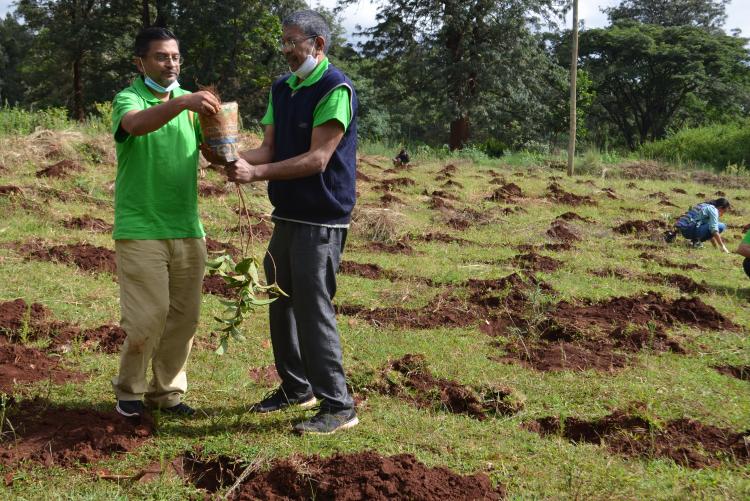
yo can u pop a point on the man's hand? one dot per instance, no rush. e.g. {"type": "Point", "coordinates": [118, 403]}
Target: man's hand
{"type": "Point", "coordinates": [202, 102]}
{"type": "Point", "coordinates": [241, 172]}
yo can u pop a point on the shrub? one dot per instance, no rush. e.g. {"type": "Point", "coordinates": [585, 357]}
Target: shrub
{"type": "Point", "coordinates": [14, 120]}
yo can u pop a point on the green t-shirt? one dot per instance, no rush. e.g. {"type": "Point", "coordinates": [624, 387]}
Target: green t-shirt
{"type": "Point", "coordinates": [156, 189]}
{"type": "Point", "coordinates": [337, 105]}
{"type": "Point", "coordinates": [746, 239]}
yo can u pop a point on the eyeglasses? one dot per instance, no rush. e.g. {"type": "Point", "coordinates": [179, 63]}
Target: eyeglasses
{"type": "Point", "coordinates": [290, 44]}
{"type": "Point", "coordinates": [175, 58]}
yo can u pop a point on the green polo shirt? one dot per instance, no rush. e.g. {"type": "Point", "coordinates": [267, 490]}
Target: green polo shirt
{"type": "Point", "coordinates": [337, 105]}
{"type": "Point", "coordinates": [156, 189]}
{"type": "Point", "coordinates": [746, 240]}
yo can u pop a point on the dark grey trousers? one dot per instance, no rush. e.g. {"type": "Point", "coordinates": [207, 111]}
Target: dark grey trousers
{"type": "Point", "coordinates": [304, 259]}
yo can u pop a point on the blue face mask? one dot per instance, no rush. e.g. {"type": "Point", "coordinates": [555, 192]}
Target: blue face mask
{"type": "Point", "coordinates": [159, 88]}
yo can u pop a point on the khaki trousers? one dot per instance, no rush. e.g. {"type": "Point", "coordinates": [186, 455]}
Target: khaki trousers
{"type": "Point", "coordinates": [160, 296]}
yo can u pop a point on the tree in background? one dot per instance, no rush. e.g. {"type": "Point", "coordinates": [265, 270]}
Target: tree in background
{"type": "Point", "coordinates": [707, 14]}
{"type": "Point", "coordinates": [15, 41]}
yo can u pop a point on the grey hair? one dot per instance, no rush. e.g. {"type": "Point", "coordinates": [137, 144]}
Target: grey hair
{"type": "Point", "coordinates": [311, 23]}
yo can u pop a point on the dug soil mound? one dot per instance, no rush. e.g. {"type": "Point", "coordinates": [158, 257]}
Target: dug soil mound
{"type": "Point", "coordinates": [361, 176]}
{"type": "Point", "coordinates": [409, 378]}
{"type": "Point", "coordinates": [439, 237]}
{"type": "Point", "coordinates": [214, 247]}
{"type": "Point", "coordinates": [262, 230]}
{"type": "Point", "coordinates": [631, 227]}
{"type": "Point", "coordinates": [87, 257]}
{"type": "Point", "coordinates": [60, 436]}
{"type": "Point", "coordinates": [563, 232]}
{"type": "Point", "coordinates": [60, 170]}
{"type": "Point", "coordinates": [591, 335]}
{"type": "Point", "coordinates": [108, 338]}
{"type": "Point", "coordinates": [394, 184]}
{"type": "Point", "coordinates": [362, 475]}
{"type": "Point", "coordinates": [216, 285]}
{"type": "Point", "coordinates": [10, 189]}
{"type": "Point", "coordinates": [683, 283]}
{"type": "Point", "coordinates": [661, 261]}
{"type": "Point", "coordinates": [21, 364]}
{"type": "Point", "coordinates": [448, 169]}
{"type": "Point", "coordinates": [687, 442]}
{"type": "Point", "coordinates": [452, 184]}
{"type": "Point", "coordinates": [87, 222]}
{"type": "Point", "coordinates": [365, 270]}
{"type": "Point", "coordinates": [266, 376]}
{"type": "Point", "coordinates": [399, 247]}
{"type": "Point", "coordinates": [572, 216]}
{"type": "Point", "coordinates": [536, 262]}
{"type": "Point", "coordinates": [648, 169]}
{"type": "Point", "coordinates": [556, 193]}
{"type": "Point", "coordinates": [388, 199]}
{"type": "Point", "coordinates": [206, 189]}
{"type": "Point", "coordinates": [738, 371]}
{"type": "Point", "coordinates": [506, 193]}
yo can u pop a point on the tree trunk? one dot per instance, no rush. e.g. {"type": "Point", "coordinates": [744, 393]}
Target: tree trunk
{"type": "Point", "coordinates": [145, 14]}
{"type": "Point", "coordinates": [459, 133]}
{"type": "Point", "coordinates": [78, 111]}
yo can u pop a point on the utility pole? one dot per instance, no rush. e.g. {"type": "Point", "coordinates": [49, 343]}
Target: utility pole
{"type": "Point", "coordinates": [573, 94]}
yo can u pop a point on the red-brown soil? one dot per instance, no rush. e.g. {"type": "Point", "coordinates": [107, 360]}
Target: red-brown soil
{"type": "Point", "coordinates": [666, 203]}
{"type": "Point", "coordinates": [393, 184]}
{"type": "Point", "coordinates": [536, 262]}
{"type": "Point", "coordinates": [215, 247]}
{"type": "Point", "coordinates": [687, 442]}
{"type": "Point", "coordinates": [366, 270]}
{"type": "Point", "coordinates": [572, 216]}
{"type": "Point", "coordinates": [667, 263]}
{"type": "Point", "coordinates": [561, 231]}
{"type": "Point", "coordinates": [720, 193]}
{"type": "Point", "coordinates": [60, 436]}
{"type": "Point", "coordinates": [506, 193]}
{"type": "Point", "coordinates": [206, 189]}
{"type": "Point", "coordinates": [746, 228]}
{"type": "Point", "coordinates": [556, 193]}
{"type": "Point", "coordinates": [679, 190]}
{"type": "Point", "coordinates": [563, 356]}
{"type": "Point", "coordinates": [361, 475]}
{"type": "Point", "coordinates": [215, 284]}
{"type": "Point", "coordinates": [610, 193]}
{"type": "Point", "coordinates": [683, 283]}
{"type": "Point", "coordinates": [60, 170]}
{"type": "Point", "coordinates": [439, 203]}
{"type": "Point", "coordinates": [452, 184]}
{"type": "Point", "coordinates": [361, 176]}
{"type": "Point", "coordinates": [440, 237]}
{"type": "Point", "coordinates": [85, 256]}
{"type": "Point", "coordinates": [266, 376]}
{"type": "Point", "coordinates": [738, 371]}
{"type": "Point", "coordinates": [388, 199]}
{"type": "Point", "coordinates": [108, 338]}
{"type": "Point", "coordinates": [630, 227]}
{"type": "Point", "coordinates": [261, 230]}
{"type": "Point", "coordinates": [448, 169]}
{"type": "Point", "coordinates": [87, 222]}
{"type": "Point", "coordinates": [556, 247]}
{"type": "Point", "coordinates": [657, 194]}
{"type": "Point", "coordinates": [700, 194]}
{"type": "Point", "coordinates": [399, 247]}
{"type": "Point", "coordinates": [623, 274]}
{"type": "Point", "coordinates": [410, 379]}
{"type": "Point", "coordinates": [10, 189]}
{"type": "Point", "coordinates": [21, 364]}
{"type": "Point", "coordinates": [441, 194]}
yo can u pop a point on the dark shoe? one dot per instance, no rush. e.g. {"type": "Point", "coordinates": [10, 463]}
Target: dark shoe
{"type": "Point", "coordinates": [130, 408]}
{"type": "Point", "coordinates": [277, 400]}
{"type": "Point", "coordinates": [669, 236]}
{"type": "Point", "coordinates": [327, 422]}
{"type": "Point", "coordinates": [180, 409]}
{"type": "Point", "coordinates": [696, 244]}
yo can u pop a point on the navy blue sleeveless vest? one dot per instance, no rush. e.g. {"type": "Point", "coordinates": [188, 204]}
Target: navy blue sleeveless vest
{"type": "Point", "coordinates": [326, 198]}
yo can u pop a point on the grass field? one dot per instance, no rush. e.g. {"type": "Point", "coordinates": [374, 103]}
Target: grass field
{"type": "Point", "coordinates": [420, 300]}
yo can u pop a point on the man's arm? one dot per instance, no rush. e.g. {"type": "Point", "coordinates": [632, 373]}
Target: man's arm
{"type": "Point", "coordinates": [719, 242]}
{"type": "Point", "coordinates": [325, 140]}
{"type": "Point", "coordinates": [139, 123]}
{"type": "Point", "coordinates": [263, 154]}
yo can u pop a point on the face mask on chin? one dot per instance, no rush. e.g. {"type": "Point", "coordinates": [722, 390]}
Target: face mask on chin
{"type": "Point", "coordinates": [307, 67]}
{"type": "Point", "coordinates": [157, 87]}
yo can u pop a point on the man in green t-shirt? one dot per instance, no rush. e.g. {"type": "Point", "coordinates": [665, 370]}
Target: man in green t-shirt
{"type": "Point", "coordinates": [744, 250]}
{"type": "Point", "coordinates": [159, 240]}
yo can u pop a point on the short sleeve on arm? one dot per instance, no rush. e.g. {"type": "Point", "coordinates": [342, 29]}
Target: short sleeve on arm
{"type": "Point", "coordinates": [268, 117]}
{"type": "Point", "coordinates": [123, 103]}
{"type": "Point", "coordinates": [337, 105]}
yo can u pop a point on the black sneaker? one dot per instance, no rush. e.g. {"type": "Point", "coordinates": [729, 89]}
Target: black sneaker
{"type": "Point", "coordinates": [669, 236]}
{"type": "Point", "coordinates": [277, 400]}
{"type": "Point", "coordinates": [327, 422]}
{"type": "Point", "coordinates": [180, 409]}
{"type": "Point", "coordinates": [130, 408]}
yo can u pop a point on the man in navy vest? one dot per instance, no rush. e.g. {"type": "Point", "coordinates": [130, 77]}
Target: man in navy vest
{"type": "Point", "coordinates": [308, 155]}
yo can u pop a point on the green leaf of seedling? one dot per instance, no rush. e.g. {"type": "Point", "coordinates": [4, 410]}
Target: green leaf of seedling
{"type": "Point", "coordinates": [253, 272]}
{"type": "Point", "coordinates": [223, 346]}
{"type": "Point", "coordinates": [262, 302]}
{"type": "Point", "coordinates": [244, 265]}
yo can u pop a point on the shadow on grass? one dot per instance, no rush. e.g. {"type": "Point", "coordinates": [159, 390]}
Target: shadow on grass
{"type": "Point", "coordinates": [218, 420]}
{"type": "Point", "coordinates": [738, 292]}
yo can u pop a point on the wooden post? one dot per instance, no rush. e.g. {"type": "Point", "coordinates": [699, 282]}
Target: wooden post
{"type": "Point", "coordinates": [573, 75]}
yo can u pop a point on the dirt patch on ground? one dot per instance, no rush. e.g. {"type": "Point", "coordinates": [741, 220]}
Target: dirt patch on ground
{"type": "Point", "coordinates": [87, 222]}
{"type": "Point", "coordinates": [637, 227]}
{"type": "Point", "coordinates": [394, 184]}
{"type": "Point", "coordinates": [21, 364]}
{"type": "Point", "coordinates": [214, 247]}
{"type": "Point", "coordinates": [452, 184]}
{"type": "Point", "coordinates": [361, 176]}
{"type": "Point", "coordinates": [679, 190]}
{"type": "Point", "coordinates": [683, 283]}
{"type": "Point", "coordinates": [60, 170]}
{"type": "Point", "coordinates": [215, 284]}
{"type": "Point", "coordinates": [365, 270]}
{"type": "Point", "coordinates": [10, 189]}
{"type": "Point", "coordinates": [556, 193]}
{"type": "Point", "coordinates": [666, 203]}
{"type": "Point", "coordinates": [440, 237]}
{"type": "Point", "coordinates": [410, 379]}
{"type": "Point", "coordinates": [572, 216]}
{"type": "Point", "coordinates": [60, 436]}
{"type": "Point", "coordinates": [206, 189]}
{"type": "Point", "coordinates": [266, 376]}
{"type": "Point", "coordinates": [362, 475]}
{"type": "Point", "coordinates": [623, 274]}
{"type": "Point", "coordinates": [648, 169]}
{"type": "Point", "coordinates": [738, 371]}
{"type": "Point", "coordinates": [261, 230]}
{"type": "Point", "coordinates": [561, 231]}
{"type": "Point", "coordinates": [441, 194]}
{"type": "Point", "coordinates": [440, 204]}
{"type": "Point", "coordinates": [388, 199]}
{"type": "Point", "coordinates": [687, 442]}
{"type": "Point", "coordinates": [667, 263]}
{"type": "Point", "coordinates": [108, 338]}
{"type": "Point", "coordinates": [556, 247]}
{"type": "Point", "coordinates": [532, 261]}
{"type": "Point", "coordinates": [87, 257]}
{"type": "Point", "coordinates": [506, 193]}
{"type": "Point", "coordinates": [448, 169]}
{"type": "Point", "coordinates": [399, 247]}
